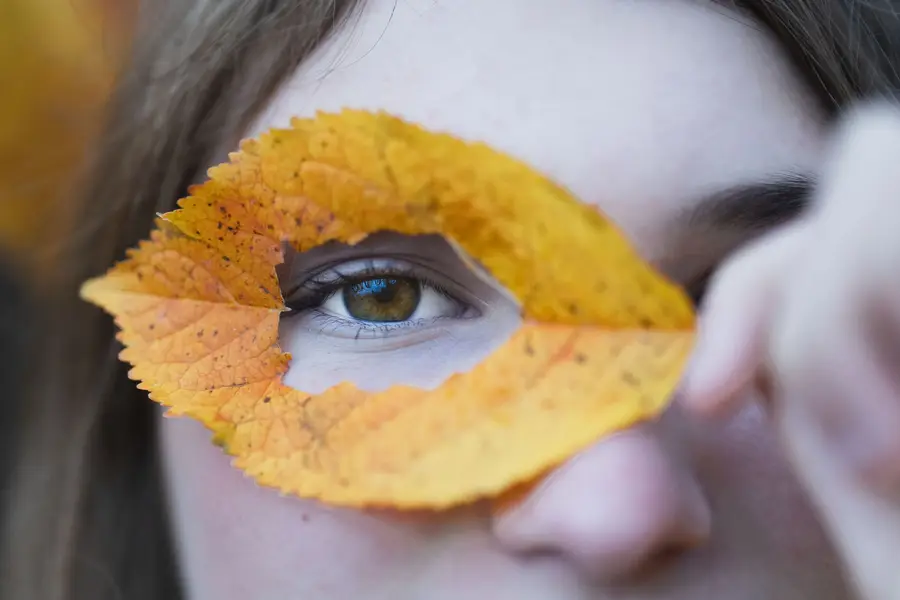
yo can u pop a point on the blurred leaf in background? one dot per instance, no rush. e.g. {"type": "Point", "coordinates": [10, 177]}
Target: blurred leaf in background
{"type": "Point", "coordinates": [57, 63]}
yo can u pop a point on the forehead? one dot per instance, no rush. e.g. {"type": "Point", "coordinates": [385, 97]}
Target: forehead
{"type": "Point", "coordinates": [639, 107]}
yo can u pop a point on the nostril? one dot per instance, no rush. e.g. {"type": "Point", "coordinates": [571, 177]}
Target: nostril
{"type": "Point", "coordinates": [618, 508]}
{"type": "Point", "coordinates": [663, 557]}
{"type": "Point", "coordinates": [653, 566]}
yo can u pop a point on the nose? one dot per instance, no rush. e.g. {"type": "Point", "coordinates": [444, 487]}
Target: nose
{"type": "Point", "coordinates": [614, 510]}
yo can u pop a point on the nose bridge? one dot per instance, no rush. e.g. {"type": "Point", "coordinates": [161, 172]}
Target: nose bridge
{"type": "Point", "coordinates": [612, 509]}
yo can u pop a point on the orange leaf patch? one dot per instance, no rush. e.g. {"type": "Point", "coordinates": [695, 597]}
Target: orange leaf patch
{"type": "Point", "coordinates": [603, 344]}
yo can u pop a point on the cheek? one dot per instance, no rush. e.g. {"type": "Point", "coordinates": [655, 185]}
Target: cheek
{"type": "Point", "coordinates": [423, 357]}
{"type": "Point", "coordinates": [238, 540]}
{"type": "Point", "coordinates": [754, 487]}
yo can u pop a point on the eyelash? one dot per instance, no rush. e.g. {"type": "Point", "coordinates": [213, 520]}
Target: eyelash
{"type": "Point", "coordinates": [316, 290]}
{"type": "Point", "coordinates": [698, 288]}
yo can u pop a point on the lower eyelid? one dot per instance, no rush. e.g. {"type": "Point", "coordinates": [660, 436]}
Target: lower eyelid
{"type": "Point", "coordinates": [365, 329]}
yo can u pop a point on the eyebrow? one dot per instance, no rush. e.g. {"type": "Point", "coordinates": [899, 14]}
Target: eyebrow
{"type": "Point", "coordinates": [756, 206]}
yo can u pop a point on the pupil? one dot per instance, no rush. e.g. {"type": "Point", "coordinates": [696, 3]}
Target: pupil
{"type": "Point", "coordinates": [382, 299]}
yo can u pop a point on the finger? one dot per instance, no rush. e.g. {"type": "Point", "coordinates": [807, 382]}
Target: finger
{"type": "Point", "coordinates": [864, 520]}
{"type": "Point", "coordinates": [835, 344]}
{"type": "Point", "coordinates": [733, 327]}
{"type": "Point", "coordinates": [860, 206]}
{"type": "Point", "coordinates": [860, 196]}
{"type": "Point", "coordinates": [836, 384]}
{"type": "Point", "coordinates": [832, 352]}
{"type": "Point", "coordinates": [864, 526]}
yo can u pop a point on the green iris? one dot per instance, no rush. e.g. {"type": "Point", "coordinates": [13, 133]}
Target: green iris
{"type": "Point", "coordinates": [382, 299]}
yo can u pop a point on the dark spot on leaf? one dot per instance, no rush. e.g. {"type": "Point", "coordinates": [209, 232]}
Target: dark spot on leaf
{"type": "Point", "coordinates": [225, 258]}
{"type": "Point", "coordinates": [573, 310]}
{"type": "Point", "coordinates": [200, 334]}
{"type": "Point", "coordinates": [152, 327]}
{"type": "Point", "coordinates": [266, 400]}
{"type": "Point", "coordinates": [629, 378]}
{"type": "Point", "coordinates": [645, 322]}
{"type": "Point", "coordinates": [223, 210]}
{"type": "Point", "coordinates": [528, 349]}
{"type": "Point", "coordinates": [580, 358]}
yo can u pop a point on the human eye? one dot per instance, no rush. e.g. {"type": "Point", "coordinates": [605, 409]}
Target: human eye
{"type": "Point", "coordinates": [390, 309]}
{"type": "Point", "coordinates": [376, 297]}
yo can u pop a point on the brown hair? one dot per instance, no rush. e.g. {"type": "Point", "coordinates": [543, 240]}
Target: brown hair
{"type": "Point", "coordinates": [86, 518]}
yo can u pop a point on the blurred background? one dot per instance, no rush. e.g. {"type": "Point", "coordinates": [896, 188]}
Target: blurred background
{"type": "Point", "coordinates": [58, 60]}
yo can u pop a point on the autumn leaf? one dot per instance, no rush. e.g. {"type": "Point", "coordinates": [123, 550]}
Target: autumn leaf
{"type": "Point", "coordinates": [198, 307]}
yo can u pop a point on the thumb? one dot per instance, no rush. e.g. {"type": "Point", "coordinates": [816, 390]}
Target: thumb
{"type": "Point", "coordinates": [733, 326]}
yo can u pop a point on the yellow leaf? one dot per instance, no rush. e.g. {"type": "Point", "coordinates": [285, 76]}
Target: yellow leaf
{"type": "Point", "coordinates": [603, 344]}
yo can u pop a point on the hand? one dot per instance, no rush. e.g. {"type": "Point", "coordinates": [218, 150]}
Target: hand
{"type": "Point", "coordinates": [810, 318]}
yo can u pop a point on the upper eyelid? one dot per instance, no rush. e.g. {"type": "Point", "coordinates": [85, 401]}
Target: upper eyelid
{"type": "Point", "coordinates": [372, 328]}
{"type": "Point", "coordinates": [409, 266]}
{"type": "Point", "coordinates": [370, 265]}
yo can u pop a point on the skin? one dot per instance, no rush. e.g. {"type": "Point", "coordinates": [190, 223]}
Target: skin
{"type": "Point", "coordinates": [641, 109]}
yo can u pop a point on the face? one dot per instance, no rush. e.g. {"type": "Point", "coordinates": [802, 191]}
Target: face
{"type": "Point", "coordinates": [677, 119]}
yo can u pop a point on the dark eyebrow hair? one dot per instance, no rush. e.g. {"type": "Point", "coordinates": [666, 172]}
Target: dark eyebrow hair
{"type": "Point", "coordinates": [755, 206]}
